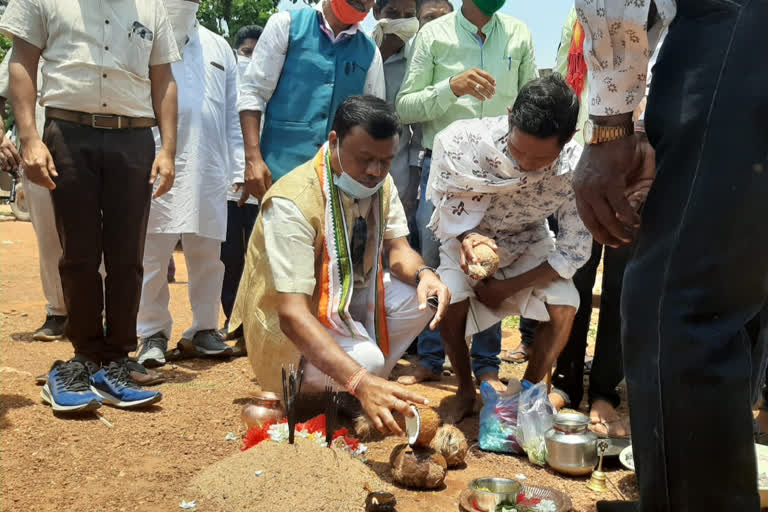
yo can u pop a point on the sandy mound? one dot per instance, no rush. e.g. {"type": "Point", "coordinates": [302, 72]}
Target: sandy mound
{"type": "Point", "coordinates": [304, 476]}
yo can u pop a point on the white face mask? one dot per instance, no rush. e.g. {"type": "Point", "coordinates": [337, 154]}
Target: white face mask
{"type": "Point", "coordinates": [181, 14]}
{"type": "Point", "coordinates": [404, 28]}
{"type": "Point", "coordinates": [242, 64]}
{"type": "Point", "coordinates": [350, 185]}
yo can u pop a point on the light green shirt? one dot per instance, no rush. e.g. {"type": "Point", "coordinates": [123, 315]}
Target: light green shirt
{"type": "Point", "coordinates": [561, 66]}
{"type": "Point", "coordinates": [448, 46]}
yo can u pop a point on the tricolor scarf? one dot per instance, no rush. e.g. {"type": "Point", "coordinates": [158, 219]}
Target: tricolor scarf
{"type": "Point", "coordinates": [337, 279]}
{"type": "Point", "coordinates": [577, 66]}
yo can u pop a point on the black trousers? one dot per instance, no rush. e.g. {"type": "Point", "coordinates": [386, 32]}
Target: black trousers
{"type": "Point", "coordinates": [240, 222]}
{"type": "Point", "coordinates": [700, 269]}
{"type": "Point", "coordinates": [607, 369]}
{"type": "Point", "coordinates": [101, 203]}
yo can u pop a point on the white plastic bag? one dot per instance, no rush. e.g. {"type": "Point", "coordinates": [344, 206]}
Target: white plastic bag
{"type": "Point", "coordinates": [535, 418]}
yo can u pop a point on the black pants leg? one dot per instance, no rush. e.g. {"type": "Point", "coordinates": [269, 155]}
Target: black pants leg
{"type": "Point", "coordinates": [607, 366]}
{"type": "Point", "coordinates": [240, 221]}
{"type": "Point", "coordinates": [101, 203]}
{"type": "Point", "coordinates": [569, 372]}
{"type": "Point", "coordinates": [699, 271]}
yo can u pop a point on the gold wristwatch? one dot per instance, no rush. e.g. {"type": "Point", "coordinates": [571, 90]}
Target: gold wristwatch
{"type": "Point", "coordinates": [598, 134]}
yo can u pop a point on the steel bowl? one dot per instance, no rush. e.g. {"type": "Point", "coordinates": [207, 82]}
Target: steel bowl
{"type": "Point", "coordinates": [488, 493]}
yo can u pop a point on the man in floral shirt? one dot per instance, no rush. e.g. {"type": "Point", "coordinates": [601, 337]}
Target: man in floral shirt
{"type": "Point", "coordinates": [495, 183]}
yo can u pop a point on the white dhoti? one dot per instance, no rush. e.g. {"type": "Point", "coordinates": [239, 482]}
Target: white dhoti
{"type": "Point", "coordinates": [48, 245]}
{"type": "Point", "coordinates": [529, 302]}
{"type": "Point", "coordinates": [205, 275]}
{"type": "Point", "coordinates": [404, 322]}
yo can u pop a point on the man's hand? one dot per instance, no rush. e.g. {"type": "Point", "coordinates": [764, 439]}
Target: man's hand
{"type": "Point", "coordinates": [492, 292]}
{"type": "Point", "coordinates": [468, 245]}
{"type": "Point", "coordinates": [164, 170]}
{"type": "Point", "coordinates": [430, 285]}
{"type": "Point", "coordinates": [38, 164]}
{"type": "Point", "coordinates": [258, 178]}
{"type": "Point", "coordinates": [9, 157]}
{"type": "Point", "coordinates": [606, 175]}
{"type": "Point", "coordinates": [380, 397]}
{"type": "Point", "coordinates": [474, 82]}
{"type": "Point", "coordinates": [244, 195]}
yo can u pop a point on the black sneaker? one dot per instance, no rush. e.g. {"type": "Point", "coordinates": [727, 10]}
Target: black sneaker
{"type": "Point", "coordinates": [206, 343]}
{"type": "Point", "coordinates": [52, 329]}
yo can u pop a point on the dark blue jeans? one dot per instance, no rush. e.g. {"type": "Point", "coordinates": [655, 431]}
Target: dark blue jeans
{"type": "Point", "coordinates": [700, 269]}
{"type": "Point", "coordinates": [486, 345]}
{"type": "Point", "coordinates": [240, 221]}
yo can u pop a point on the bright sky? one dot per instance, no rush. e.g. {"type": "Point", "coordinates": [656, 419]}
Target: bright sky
{"type": "Point", "coordinates": [545, 18]}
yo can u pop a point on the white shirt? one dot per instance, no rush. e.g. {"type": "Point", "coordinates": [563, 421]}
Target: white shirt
{"type": "Point", "coordinates": [289, 240]}
{"type": "Point", "coordinates": [210, 157]}
{"type": "Point", "coordinates": [97, 54]}
{"type": "Point", "coordinates": [5, 85]}
{"type": "Point", "coordinates": [617, 48]}
{"type": "Point", "coordinates": [261, 77]}
{"type": "Point", "coordinates": [476, 185]}
{"type": "Point", "coordinates": [242, 64]}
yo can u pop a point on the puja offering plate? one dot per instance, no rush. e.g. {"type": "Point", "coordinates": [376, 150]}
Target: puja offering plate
{"type": "Point", "coordinates": [627, 459]}
{"type": "Point", "coordinates": [561, 501]}
{"type": "Point", "coordinates": [616, 445]}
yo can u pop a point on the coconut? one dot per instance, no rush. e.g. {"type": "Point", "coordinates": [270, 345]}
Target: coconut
{"type": "Point", "coordinates": [418, 468]}
{"type": "Point", "coordinates": [422, 427]}
{"type": "Point", "coordinates": [487, 262]}
{"type": "Point", "coordinates": [451, 444]}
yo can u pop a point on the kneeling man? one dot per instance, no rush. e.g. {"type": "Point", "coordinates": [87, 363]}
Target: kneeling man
{"type": "Point", "coordinates": [314, 283]}
{"type": "Point", "coordinates": [496, 183]}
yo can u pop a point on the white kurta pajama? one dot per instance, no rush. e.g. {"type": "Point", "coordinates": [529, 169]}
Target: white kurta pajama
{"type": "Point", "coordinates": [476, 186]}
{"type": "Point", "coordinates": [209, 160]}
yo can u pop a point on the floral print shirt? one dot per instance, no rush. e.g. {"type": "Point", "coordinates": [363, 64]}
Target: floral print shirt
{"type": "Point", "coordinates": [476, 185]}
{"type": "Point", "coordinates": [617, 47]}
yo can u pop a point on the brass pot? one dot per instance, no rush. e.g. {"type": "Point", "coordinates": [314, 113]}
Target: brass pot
{"type": "Point", "coordinates": [266, 406]}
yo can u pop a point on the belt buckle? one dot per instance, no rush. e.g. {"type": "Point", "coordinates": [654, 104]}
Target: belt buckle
{"type": "Point", "coordinates": [94, 123]}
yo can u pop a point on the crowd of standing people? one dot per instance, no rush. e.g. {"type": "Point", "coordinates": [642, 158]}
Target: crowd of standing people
{"type": "Point", "coordinates": [330, 188]}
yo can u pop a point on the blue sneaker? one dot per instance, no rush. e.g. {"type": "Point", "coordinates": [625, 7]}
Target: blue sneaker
{"type": "Point", "coordinates": [68, 387]}
{"type": "Point", "coordinates": [116, 387]}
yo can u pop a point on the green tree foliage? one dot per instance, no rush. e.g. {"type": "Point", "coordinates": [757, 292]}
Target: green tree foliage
{"type": "Point", "coordinates": [5, 45]}
{"type": "Point", "coordinates": [225, 17]}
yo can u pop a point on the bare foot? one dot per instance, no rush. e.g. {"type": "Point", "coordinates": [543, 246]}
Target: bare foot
{"type": "Point", "coordinates": [492, 378]}
{"type": "Point", "coordinates": [463, 407]}
{"type": "Point", "coordinates": [421, 374]}
{"type": "Point", "coordinates": [557, 400]}
{"type": "Point", "coordinates": [518, 355]}
{"type": "Point", "coordinates": [606, 421]}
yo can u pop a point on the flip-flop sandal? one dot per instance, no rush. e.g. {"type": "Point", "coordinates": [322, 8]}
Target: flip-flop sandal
{"type": "Point", "coordinates": [507, 357]}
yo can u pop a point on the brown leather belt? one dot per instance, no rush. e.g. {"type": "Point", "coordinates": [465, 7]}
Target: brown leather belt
{"type": "Point", "coordinates": [101, 121]}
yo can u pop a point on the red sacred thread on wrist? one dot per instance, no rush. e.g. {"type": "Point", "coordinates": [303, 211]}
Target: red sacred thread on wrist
{"type": "Point", "coordinates": [355, 379]}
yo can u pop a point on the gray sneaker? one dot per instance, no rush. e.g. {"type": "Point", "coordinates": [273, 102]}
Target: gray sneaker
{"type": "Point", "coordinates": [207, 343]}
{"type": "Point", "coordinates": [152, 353]}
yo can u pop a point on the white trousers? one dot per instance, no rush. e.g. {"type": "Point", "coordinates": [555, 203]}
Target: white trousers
{"type": "Point", "coordinates": [404, 322]}
{"type": "Point", "coordinates": [48, 245]}
{"type": "Point", "coordinates": [206, 274]}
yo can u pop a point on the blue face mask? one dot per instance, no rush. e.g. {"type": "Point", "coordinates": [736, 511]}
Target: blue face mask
{"type": "Point", "coordinates": [351, 186]}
